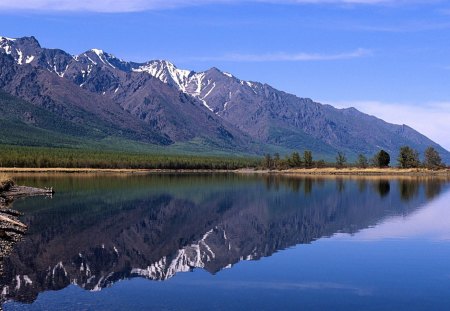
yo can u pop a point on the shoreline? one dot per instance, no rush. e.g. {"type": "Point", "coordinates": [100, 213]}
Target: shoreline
{"type": "Point", "coordinates": [289, 172]}
{"type": "Point", "coordinates": [382, 172]}
{"type": "Point", "coordinates": [34, 170]}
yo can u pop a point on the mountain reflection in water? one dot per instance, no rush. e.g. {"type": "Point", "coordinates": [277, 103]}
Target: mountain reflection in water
{"type": "Point", "coordinates": [98, 230]}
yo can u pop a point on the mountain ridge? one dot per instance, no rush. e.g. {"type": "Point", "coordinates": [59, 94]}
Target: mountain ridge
{"type": "Point", "coordinates": [174, 105]}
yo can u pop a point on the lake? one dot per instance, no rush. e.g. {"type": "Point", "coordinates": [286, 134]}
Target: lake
{"type": "Point", "coordinates": [231, 242]}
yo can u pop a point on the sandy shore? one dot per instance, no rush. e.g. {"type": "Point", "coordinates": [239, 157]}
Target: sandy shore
{"type": "Point", "coordinates": [352, 172]}
{"type": "Point", "coordinates": [71, 170]}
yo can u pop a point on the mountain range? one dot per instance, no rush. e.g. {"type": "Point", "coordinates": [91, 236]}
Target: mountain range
{"type": "Point", "coordinates": [65, 100]}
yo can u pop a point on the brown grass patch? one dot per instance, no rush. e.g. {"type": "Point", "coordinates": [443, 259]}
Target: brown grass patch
{"type": "Point", "coordinates": [356, 172]}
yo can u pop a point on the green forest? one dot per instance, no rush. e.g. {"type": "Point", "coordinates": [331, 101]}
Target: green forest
{"type": "Point", "coordinates": [43, 157]}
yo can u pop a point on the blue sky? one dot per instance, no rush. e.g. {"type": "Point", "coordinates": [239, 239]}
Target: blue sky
{"type": "Point", "coordinates": [384, 57]}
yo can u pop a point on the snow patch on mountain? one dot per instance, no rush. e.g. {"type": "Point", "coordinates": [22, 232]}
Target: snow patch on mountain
{"type": "Point", "coordinates": [60, 74]}
{"type": "Point", "coordinates": [192, 83]}
{"type": "Point", "coordinates": [103, 57]}
{"type": "Point", "coordinates": [166, 72]}
{"type": "Point", "coordinates": [19, 60]}
{"type": "Point", "coordinates": [5, 44]}
{"type": "Point", "coordinates": [7, 39]}
{"type": "Point", "coordinates": [29, 59]}
{"type": "Point", "coordinates": [27, 280]}
{"type": "Point", "coordinates": [90, 59]}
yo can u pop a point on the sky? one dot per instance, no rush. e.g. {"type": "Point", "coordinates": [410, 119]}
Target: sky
{"type": "Point", "coordinates": [388, 58]}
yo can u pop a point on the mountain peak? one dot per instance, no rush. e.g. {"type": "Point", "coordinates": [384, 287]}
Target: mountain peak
{"type": "Point", "coordinates": [166, 72]}
{"type": "Point", "coordinates": [7, 39]}
{"type": "Point", "coordinates": [97, 51]}
{"type": "Point", "coordinates": [6, 43]}
{"type": "Point", "coordinates": [23, 50]}
{"type": "Point", "coordinates": [101, 53]}
{"type": "Point", "coordinates": [215, 69]}
{"type": "Point", "coordinates": [29, 42]}
{"type": "Point", "coordinates": [100, 57]}
{"type": "Point", "coordinates": [163, 62]}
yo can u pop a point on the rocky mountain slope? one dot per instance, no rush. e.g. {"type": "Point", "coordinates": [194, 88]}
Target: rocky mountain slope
{"type": "Point", "coordinates": [158, 103]}
{"type": "Point", "coordinates": [83, 92]}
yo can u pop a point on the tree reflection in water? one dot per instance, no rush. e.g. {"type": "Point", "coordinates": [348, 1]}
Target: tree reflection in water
{"type": "Point", "coordinates": [98, 230]}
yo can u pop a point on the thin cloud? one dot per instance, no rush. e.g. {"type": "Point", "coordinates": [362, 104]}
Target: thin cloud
{"type": "Point", "coordinates": [430, 119]}
{"type": "Point", "coordinates": [444, 11]}
{"type": "Point", "coordinates": [287, 57]}
{"type": "Point", "coordinates": [118, 6]}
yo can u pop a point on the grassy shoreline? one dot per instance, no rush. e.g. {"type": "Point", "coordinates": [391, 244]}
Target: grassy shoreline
{"type": "Point", "coordinates": [305, 172]}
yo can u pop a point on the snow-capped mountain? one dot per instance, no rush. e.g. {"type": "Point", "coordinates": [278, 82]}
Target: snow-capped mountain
{"type": "Point", "coordinates": [197, 84]}
{"type": "Point", "coordinates": [15, 47]}
{"type": "Point", "coordinates": [27, 50]}
{"type": "Point", "coordinates": [103, 94]}
{"type": "Point", "coordinates": [165, 104]}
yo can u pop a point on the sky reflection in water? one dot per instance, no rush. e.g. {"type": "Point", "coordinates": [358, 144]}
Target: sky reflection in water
{"type": "Point", "coordinates": [253, 243]}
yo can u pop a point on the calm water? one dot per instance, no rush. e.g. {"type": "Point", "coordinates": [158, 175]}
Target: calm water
{"type": "Point", "coordinates": [228, 242]}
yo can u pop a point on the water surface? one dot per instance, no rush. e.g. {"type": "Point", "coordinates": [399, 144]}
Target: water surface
{"type": "Point", "coordinates": [230, 242]}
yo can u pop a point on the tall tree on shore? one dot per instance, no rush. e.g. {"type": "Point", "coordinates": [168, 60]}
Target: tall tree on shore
{"type": "Point", "coordinates": [362, 162]}
{"type": "Point", "coordinates": [296, 160]}
{"type": "Point", "coordinates": [408, 157]}
{"type": "Point", "coordinates": [432, 158]}
{"type": "Point", "coordinates": [268, 162]}
{"type": "Point", "coordinates": [341, 159]}
{"type": "Point", "coordinates": [382, 159]}
{"type": "Point", "coordinates": [276, 160]}
{"type": "Point", "coordinates": [308, 158]}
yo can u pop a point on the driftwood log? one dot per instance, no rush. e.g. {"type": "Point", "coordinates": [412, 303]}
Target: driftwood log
{"type": "Point", "coordinates": [9, 191]}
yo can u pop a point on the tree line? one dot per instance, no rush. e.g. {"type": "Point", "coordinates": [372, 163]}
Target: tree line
{"type": "Point", "coordinates": [295, 160]}
{"type": "Point", "coordinates": [407, 158]}
{"type": "Point", "coordinates": [41, 157]}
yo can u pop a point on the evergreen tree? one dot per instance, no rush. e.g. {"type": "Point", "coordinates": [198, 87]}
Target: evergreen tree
{"type": "Point", "coordinates": [268, 162]}
{"type": "Point", "coordinates": [432, 158]}
{"type": "Point", "coordinates": [296, 160]}
{"type": "Point", "coordinates": [277, 160]}
{"type": "Point", "coordinates": [408, 157]}
{"type": "Point", "coordinates": [382, 159]}
{"type": "Point", "coordinates": [341, 159]}
{"type": "Point", "coordinates": [308, 159]}
{"type": "Point", "coordinates": [362, 161]}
